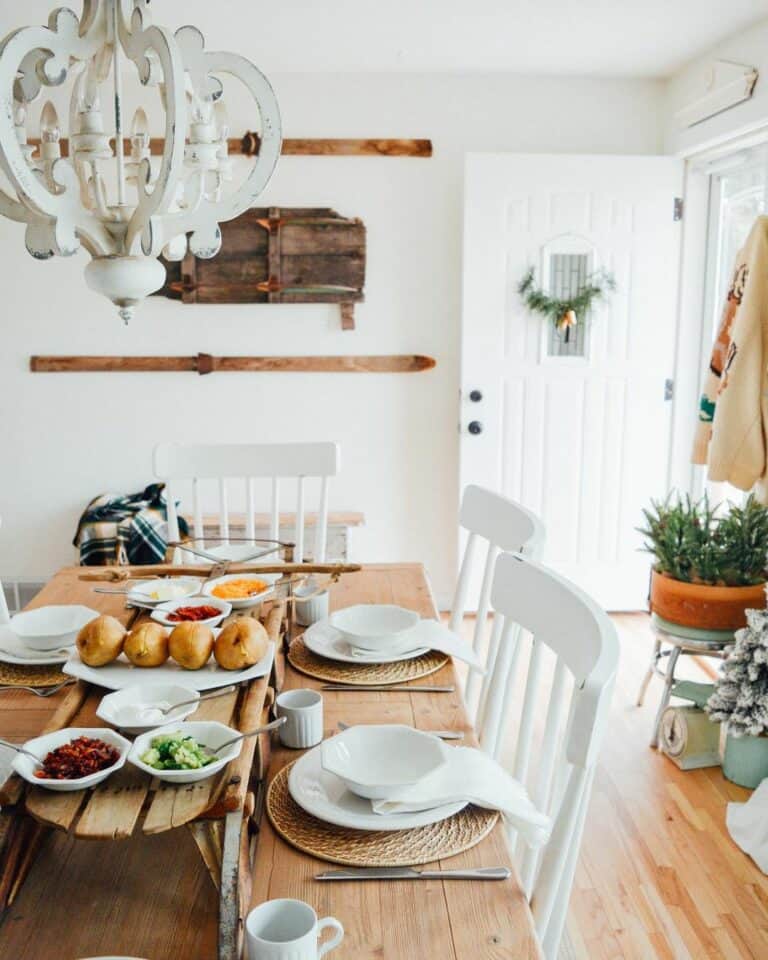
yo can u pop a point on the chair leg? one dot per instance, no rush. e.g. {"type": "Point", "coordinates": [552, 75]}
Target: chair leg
{"type": "Point", "coordinates": [650, 671]}
{"type": "Point", "coordinates": [669, 680]}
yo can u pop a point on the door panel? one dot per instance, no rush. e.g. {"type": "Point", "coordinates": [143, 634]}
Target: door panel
{"type": "Point", "coordinates": [581, 440]}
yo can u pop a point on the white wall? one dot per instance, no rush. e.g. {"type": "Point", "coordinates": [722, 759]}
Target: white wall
{"type": "Point", "coordinates": [66, 438]}
{"type": "Point", "coordinates": [688, 84]}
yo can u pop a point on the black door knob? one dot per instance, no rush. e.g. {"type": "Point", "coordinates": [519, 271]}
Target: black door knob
{"type": "Point", "coordinates": [475, 427]}
{"type": "Point", "coordinates": [475, 396]}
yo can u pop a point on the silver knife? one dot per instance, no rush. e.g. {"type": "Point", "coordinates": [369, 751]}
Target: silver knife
{"type": "Point", "coordinates": [385, 688]}
{"type": "Point", "coordinates": [408, 873]}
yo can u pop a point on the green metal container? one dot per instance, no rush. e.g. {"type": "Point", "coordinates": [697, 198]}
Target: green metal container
{"type": "Point", "coordinates": [745, 761]}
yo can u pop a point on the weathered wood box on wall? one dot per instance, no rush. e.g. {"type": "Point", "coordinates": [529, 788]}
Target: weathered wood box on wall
{"type": "Point", "coordinates": [279, 255]}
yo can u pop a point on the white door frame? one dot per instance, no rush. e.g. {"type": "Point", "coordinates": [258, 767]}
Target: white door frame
{"type": "Point", "coordinates": [693, 323]}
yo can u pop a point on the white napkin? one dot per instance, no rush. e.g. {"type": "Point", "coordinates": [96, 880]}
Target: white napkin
{"type": "Point", "coordinates": [748, 825]}
{"type": "Point", "coordinates": [474, 777]}
{"type": "Point", "coordinates": [431, 634]}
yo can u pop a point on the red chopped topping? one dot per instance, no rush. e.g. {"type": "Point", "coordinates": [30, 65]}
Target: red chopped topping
{"type": "Point", "coordinates": [78, 758]}
{"type": "Point", "coordinates": [181, 614]}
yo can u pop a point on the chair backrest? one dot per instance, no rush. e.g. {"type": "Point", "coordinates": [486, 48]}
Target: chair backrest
{"type": "Point", "coordinates": [503, 525]}
{"type": "Point", "coordinates": [4, 616]}
{"type": "Point", "coordinates": [246, 464]}
{"type": "Point", "coordinates": [544, 624]}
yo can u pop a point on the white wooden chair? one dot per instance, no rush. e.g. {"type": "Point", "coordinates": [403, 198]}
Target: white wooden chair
{"type": "Point", "coordinates": [4, 615]}
{"type": "Point", "coordinates": [246, 465]}
{"type": "Point", "coordinates": [503, 525]}
{"type": "Point", "coordinates": [566, 632]}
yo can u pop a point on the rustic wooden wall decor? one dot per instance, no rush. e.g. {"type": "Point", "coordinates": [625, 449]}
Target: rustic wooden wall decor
{"type": "Point", "coordinates": [278, 255]}
{"type": "Point", "coordinates": [204, 363]}
{"type": "Point", "coordinates": [249, 145]}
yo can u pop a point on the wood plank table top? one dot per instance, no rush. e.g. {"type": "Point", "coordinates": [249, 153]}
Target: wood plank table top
{"type": "Point", "coordinates": [152, 897]}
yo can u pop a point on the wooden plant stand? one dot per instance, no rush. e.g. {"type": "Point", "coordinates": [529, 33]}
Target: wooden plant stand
{"type": "Point", "coordinates": [220, 813]}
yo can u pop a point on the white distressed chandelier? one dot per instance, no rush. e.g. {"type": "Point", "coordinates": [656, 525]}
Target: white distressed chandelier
{"type": "Point", "coordinates": [122, 205]}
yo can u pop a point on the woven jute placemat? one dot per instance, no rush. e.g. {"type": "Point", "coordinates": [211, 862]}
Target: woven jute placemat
{"type": "Point", "coordinates": [19, 675]}
{"type": "Point", "coordinates": [300, 657]}
{"type": "Point", "coordinates": [373, 848]}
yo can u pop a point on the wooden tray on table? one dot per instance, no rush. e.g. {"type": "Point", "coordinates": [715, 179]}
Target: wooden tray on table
{"type": "Point", "coordinates": [218, 812]}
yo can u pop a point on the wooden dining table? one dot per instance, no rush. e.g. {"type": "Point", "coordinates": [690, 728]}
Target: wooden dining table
{"type": "Point", "coordinates": [151, 896]}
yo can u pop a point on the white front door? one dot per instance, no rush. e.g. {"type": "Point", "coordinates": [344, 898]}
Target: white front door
{"type": "Point", "coordinates": [577, 431]}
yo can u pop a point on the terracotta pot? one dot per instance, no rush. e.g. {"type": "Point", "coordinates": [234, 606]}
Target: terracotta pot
{"type": "Point", "coordinates": [701, 605]}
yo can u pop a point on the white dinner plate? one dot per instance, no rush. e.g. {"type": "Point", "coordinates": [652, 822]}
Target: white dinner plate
{"type": "Point", "coordinates": [121, 673]}
{"type": "Point", "coordinates": [326, 641]}
{"type": "Point", "coordinates": [326, 797]}
{"type": "Point", "coordinates": [14, 650]}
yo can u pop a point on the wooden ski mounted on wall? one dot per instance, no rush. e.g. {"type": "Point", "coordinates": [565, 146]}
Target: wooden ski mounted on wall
{"type": "Point", "coordinates": [204, 363]}
{"type": "Point", "coordinates": [249, 144]}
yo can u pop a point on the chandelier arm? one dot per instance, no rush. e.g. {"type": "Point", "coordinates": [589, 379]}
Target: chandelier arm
{"type": "Point", "coordinates": [143, 38]}
{"type": "Point", "coordinates": [63, 41]}
{"type": "Point", "coordinates": [203, 221]}
{"type": "Point", "coordinates": [11, 208]}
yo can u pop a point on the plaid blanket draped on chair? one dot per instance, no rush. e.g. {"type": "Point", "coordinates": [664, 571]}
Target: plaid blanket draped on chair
{"type": "Point", "coordinates": [125, 529]}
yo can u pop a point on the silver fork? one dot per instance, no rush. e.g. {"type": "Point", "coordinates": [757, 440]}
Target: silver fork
{"type": "Point", "coordinates": [41, 691]}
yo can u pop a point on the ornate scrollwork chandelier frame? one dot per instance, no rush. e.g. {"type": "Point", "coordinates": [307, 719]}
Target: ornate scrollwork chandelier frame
{"type": "Point", "coordinates": [123, 209]}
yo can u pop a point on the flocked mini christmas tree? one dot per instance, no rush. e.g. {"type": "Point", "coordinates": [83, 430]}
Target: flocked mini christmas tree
{"type": "Point", "coordinates": [740, 699]}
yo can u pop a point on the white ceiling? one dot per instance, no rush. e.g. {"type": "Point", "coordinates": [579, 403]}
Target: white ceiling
{"type": "Point", "coordinates": [642, 38]}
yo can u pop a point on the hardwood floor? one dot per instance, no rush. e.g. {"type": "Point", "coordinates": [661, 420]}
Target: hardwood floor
{"type": "Point", "coordinates": [658, 874]}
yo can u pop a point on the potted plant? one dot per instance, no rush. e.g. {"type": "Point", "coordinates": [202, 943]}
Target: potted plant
{"type": "Point", "coordinates": [709, 566]}
{"type": "Point", "coordinates": [740, 701]}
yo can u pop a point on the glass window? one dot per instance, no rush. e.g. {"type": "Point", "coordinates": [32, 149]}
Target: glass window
{"type": "Point", "coordinates": [568, 273]}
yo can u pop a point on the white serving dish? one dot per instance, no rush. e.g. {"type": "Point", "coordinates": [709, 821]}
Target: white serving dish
{"type": "Point", "coordinates": [326, 641]}
{"type": "Point", "coordinates": [52, 627]}
{"type": "Point", "coordinates": [41, 746]}
{"type": "Point", "coordinates": [14, 650]}
{"type": "Point", "coordinates": [161, 611]}
{"type": "Point", "coordinates": [121, 673]}
{"type": "Point", "coordinates": [142, 591]}
{"type": "Point", "coordinates": [325, 796]}
{"type": "Point", "coordinates": [209, 733]}
{"type": "Point", "coordinates": [244, 602]}
{"type": "Point", "coordinates": [147, 695]}
{"type": "Point", "coordinates": [374, 626]}
{"type": "Point", "coordinates": [378, 761]}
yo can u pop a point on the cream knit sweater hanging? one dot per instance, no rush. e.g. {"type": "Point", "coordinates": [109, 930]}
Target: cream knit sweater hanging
{"type": "Point", "coordinates": [733, 412]}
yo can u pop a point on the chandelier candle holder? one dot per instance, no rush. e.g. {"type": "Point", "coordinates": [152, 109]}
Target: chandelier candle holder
{"type": "Point", "coordinates": [125, 207]}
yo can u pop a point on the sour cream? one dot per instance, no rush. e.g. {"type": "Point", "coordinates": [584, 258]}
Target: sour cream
{"type": "Point", "coordinates": [141, 714]}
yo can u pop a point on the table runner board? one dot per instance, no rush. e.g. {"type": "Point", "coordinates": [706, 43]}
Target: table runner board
{"type": "Point", "coordinates": [459, 920]}
{"type": "Point", "coordinates": [112, 810]}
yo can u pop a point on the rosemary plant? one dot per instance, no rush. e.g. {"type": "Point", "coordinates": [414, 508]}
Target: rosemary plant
{"type": "Point", "coordinates": [696, 543]}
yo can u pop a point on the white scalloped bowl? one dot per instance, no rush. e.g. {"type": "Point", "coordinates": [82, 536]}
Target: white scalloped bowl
{"type": "Point", "coordinates": [374, 626]}
{"type": "Point", "coordinates": [41, 746]}
{"type": "Point", "coordinates": [379, 761]}
{"type": "Point", "coordinates": [51, 627]}
{"type": "Point", "coordinates": [209, 733]}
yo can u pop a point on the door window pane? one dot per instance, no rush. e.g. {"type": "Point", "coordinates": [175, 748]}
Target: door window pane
{"type": "Point", "coordinates": [568, 273]}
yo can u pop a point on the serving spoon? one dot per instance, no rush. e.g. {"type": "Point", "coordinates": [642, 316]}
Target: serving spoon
{"type": "Point", "coordinates": [252, 733]}
{"type": "Point", "coordinates": [18, 749]}
{"type": "Point", "coordinates": [208, 696]}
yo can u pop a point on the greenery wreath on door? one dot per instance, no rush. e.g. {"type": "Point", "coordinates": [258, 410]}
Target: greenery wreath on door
{"type": "Point", "coordinates": [567, 312]}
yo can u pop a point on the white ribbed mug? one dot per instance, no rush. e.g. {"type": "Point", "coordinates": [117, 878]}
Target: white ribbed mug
{"type": "Point", "coordinates": [303, 712]}
{"type": "Point", "coordinates": [288, 930]}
